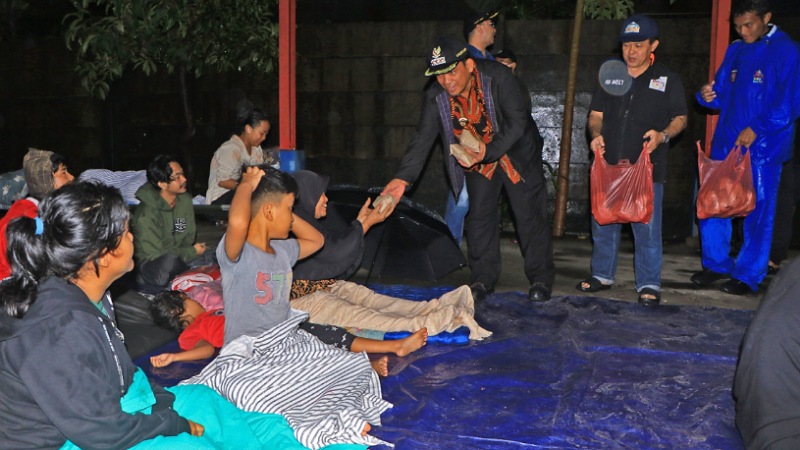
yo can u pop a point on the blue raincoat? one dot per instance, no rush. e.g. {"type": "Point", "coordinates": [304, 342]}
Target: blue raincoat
{"type": "Point", "coordinates": [755, 88]}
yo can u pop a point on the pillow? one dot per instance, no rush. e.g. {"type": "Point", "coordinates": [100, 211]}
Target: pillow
{"type": "Point", "coordinates": [195, 276]}
{"type": "Point", "coordinates": [132, 311]}
{"type": "Point", "coordinates": [12, 188]}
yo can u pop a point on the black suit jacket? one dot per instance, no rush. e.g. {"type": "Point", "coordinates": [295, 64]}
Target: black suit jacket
{"type": "Point", "coordinates": [516, 134]}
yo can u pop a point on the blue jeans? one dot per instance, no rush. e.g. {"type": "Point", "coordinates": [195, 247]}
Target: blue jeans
{"type": "Point", "coordinates": [647, 248]}
{"type": "Point", "coordinates": [455, 212]}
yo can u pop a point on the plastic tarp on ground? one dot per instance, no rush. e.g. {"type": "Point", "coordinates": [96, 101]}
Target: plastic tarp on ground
{"type": "Point", "coordinates": [574, 372]}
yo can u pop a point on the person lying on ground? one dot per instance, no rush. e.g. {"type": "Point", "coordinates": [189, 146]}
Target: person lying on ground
{"type": "Point", "coordinates": [201, 333]}
{"type": "Point", "coordinates": [320, 287]}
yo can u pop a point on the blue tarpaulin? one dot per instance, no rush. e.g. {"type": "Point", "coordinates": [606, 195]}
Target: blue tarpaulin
{"type": "Point", "coordinates": [574, 372]}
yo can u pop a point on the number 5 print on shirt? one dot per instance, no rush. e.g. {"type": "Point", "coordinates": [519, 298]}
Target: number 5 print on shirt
{"type": "Point", "coordinates": [264, 287]}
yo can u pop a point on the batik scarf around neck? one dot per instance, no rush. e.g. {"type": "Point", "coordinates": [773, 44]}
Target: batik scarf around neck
{"type": "Point", "coordinates": [469, 116]}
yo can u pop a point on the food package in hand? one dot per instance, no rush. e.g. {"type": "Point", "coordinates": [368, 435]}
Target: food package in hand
{"type": "Point", "coordinates": [383, 202]}
{"type": "Point", "coordinates": [461, 154]}
{"type": "Point", "coordinates": [467, 139]}
{"type": "Point", "coordinates": [466, 149]}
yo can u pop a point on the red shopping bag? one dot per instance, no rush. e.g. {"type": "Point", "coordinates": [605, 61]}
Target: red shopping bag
{"type": "Point", "coordinates": [726, 187]}
{"type": "Point", "coordinates": [623, 192]}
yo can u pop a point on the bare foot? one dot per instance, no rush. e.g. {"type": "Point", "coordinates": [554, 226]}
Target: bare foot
{"type": "Point", "coordinates": [381, 366]}
{"type": "Point", "coordinates": [412, 343]}
{"type": "Point", "coordinates": [367, 428]}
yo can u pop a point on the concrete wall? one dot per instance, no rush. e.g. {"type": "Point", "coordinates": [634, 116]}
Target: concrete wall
{"type": "Point", "coordinates": [358, 100]}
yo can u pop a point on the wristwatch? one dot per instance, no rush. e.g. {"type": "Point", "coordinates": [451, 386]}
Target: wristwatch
{"type": "Point", "coordinates": [666, 137]}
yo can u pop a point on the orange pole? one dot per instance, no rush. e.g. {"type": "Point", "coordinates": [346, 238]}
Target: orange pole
{"type": "Point", "coordinates": [720, 36]}
{"type": "Point", "coordinates": [286, 79]}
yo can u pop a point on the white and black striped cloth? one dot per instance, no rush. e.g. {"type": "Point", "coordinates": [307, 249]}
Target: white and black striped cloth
{"type": "Point", "coordinates": [127, 181]}
{"type": "Point", "coordinates": [326, 394]}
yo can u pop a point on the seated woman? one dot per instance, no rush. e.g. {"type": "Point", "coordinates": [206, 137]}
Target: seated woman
{"type": "Point", "coordinates": [242, 149]}
{"type": "Point", "coordinates": [319, 287]}
{"type": "Point", "coordinates": [67, 380]}
{"type": "Point", "coordinates": [45, 172]}
{"type": "Point", "coordinates": [202, 332]}
{"type": "Point", "coordinates": [65, 366]}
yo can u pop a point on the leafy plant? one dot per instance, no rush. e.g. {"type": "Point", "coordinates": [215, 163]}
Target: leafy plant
{"type": "Point", "coordinates": [608, 9]}
{"type": "Point", "coordinates": [184, 37]}
{"type": "Point", "coordinates": [112, 36]}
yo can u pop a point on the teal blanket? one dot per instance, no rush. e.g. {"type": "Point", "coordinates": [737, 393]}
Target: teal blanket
{"type": "Point", "coordinates": [226, 426]}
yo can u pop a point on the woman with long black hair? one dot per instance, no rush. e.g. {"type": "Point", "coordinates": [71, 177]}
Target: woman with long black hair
{"type": "Point", "coordinates": [64, 362]}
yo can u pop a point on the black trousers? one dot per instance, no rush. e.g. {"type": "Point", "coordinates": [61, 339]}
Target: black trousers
{"type": "Point", "coordinates": [330, 334]}
{"type": "Point", "coordinates": [154, 275]}
{"type": "Point", "coordinates": [528, 200]}
{"type": "Point", "coordinates": [788, 199]}
{"type": "Point", "coordinates": [225, 199]}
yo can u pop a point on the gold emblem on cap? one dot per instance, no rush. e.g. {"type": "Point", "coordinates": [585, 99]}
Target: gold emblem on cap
{"type": "Point", "coordinates": [437, 51]}
{"type": "Point", "coordinates": [632, 27]}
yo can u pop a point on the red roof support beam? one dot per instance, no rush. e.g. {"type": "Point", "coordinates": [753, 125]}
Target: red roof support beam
{"type": "Point", "coordinates": [720, 37]}
{"type": "Point", "coordinates": [286, 68]}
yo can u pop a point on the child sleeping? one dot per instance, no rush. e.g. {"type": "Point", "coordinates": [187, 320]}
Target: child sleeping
{"type": "Point", "coordinates": [202, 332]}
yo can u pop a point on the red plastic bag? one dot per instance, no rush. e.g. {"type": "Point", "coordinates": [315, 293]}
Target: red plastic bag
{"type": "Point", "coordinates": [623, 192]}
{"type": "Point", "coordinates": [726, 187]}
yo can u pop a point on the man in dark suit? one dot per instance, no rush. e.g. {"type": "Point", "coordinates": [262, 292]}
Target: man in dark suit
{"type": "Point", "coordinates": [491, 143]}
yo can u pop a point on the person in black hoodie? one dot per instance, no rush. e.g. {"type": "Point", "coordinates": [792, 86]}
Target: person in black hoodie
{"type": "Point", "coordinates": [64, 363]}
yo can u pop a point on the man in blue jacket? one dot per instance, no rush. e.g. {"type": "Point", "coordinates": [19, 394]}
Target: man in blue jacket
{"type": "Point", "coordinates": [753, 92]}
{"type": "Point", "coordinates": [480, 102]}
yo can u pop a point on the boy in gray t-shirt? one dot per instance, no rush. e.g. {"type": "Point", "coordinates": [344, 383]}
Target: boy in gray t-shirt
{"type": "Point", "coordinates": [256, 260]}
{"type": "Point", "coordinates": [255, 255]}
{"type": "Point", "coordinates": [264, 279]}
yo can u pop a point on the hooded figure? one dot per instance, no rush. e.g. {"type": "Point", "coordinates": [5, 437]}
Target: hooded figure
{"type": "Point", "coordinates": [45, 171]}
{"type": "Point", "coordinates": [341, 256]}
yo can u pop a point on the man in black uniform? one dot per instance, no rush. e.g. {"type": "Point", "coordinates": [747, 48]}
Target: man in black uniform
{"type": "Point", "coordinates": [479, 112]}
{"type": "Point", "coordinates": [648, 115]}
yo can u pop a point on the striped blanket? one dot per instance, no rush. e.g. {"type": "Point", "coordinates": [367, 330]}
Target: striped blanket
{"type": "Point", "coordinates": [326, 394]}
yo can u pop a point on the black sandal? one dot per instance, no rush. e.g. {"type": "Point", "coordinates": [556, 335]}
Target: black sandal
{"type": "Point", "coordinates": [649, 297]}
{"type": "Point", "coordinates": [595, 285]}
